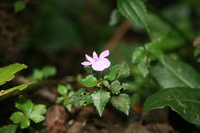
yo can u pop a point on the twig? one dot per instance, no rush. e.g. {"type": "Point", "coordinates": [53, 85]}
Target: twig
{"type": "Point", "coordinates": [119, 33]}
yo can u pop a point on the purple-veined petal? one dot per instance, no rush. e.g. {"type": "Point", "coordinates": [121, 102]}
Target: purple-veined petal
{"type": "Point", "coordinates": [86, 63]}
{"type": "Point", "coordinates": [104, 54]}
{"type": "Point", "coordinates": [100, 65]}
{"type": "Point", "coordinates": [95, 56]}
{"type": "Point", "coordinates": [89, 58]}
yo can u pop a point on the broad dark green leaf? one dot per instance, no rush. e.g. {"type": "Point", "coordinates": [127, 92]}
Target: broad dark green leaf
{"type": "Point", "coordinates": [89, 81]}
{"type": "Point", "coordinates": [100, 99]}
{"type": "Point", "coordinates": [19, 117]}
{"type": "Point", "coordinates": [8, 129]}
{"type": "Point", "coordinates": [122, 102]}
{"type": "Point", "coordinates": [134, 10]}
{"type": "Point", "coordinates": [7, 73]}
{"type": "Point", "coordinates": [37, 113]}
{"type": "Point", "coordinates": [184, 101]}
{"type": "Point", "coordinates": [81, 98]}
{"type": "Point", "coordinates": [173, 73]}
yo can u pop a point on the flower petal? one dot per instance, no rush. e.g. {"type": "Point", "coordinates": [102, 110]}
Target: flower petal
{"type": "Point", "coordinates": [95, 56]}
{"type": "Point", "coordinates": [89, 58]}
{"type": "Point", "coordinates": [104, 54]}
{"type": "Point", "coordinates": [86, 63]}
{"type": "Point", "coordinates": [100, 65]}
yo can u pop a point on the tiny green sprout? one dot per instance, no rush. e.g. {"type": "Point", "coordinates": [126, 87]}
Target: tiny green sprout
{"type": "Point", "coordinates": [44, 73]}
{"type": "Point", "coordinates": [28, 111]}
{"type": "Point", "coordinates": [105, 80]}
{"type": "Point", "coordinates": [65, 92]}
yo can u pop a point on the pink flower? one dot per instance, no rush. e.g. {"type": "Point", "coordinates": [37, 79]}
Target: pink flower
{"type": "Point", "coordinates": [98, 63]}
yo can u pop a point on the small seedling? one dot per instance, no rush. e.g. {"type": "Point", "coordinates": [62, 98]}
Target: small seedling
{"type": "Point", "coordinates": [66, 92]}
{"type": "Point", "coordinates": [28, 111]}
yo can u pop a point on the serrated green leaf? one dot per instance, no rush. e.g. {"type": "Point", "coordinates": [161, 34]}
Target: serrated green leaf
{"type": "Point", "coordinates": [37, 113]}
{"type": "Point", "coordinates": [8, 129]}
{"type": "Point", "coordinates": [184, 101]}
{"type": "Point", "coordinates": [100, 99]}
{"type": "Point", "coordinates": [24, 104]}
{"type": "Point", "coordinates": [7, 73]}
{"type": "Point", "coordinates": [134, 10]}
{"type": "Point", "coordinates": [89, 81]}
{"type": "Point", "coordinates": [19, 117]}
{"type": "Point", "coordinates": [81, 98]}
{"type": "Point", "coordinates": [123, 70]}
{"type": "Point", "coordinates": [115, 87]}
{"type": "Point", "coordinates": [172, 73]}
{"type": "Point", "coordinates": [112, 73]}
{"type": "Point", "coordinates": [19, 5]}
{"type": "Point", "coordinates": [122, 102]}
{"type": "Point", "coordinates": [62, 90]}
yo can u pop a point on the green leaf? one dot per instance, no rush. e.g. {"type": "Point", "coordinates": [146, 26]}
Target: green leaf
{"type": "Point", "coordinates": [138, 55]}
{"type": "Point", "coordinates": [89, 81]}
{"type": "Point", "coordinates": [122, 102]}
{"type": "Point", "coordinates": [134, 10]}
{"type": "Point", "coordinates": [81, 98]}
{"type": "Point", "coordinates": [19, 5]}
{"type": "Point", "coordinates": [114, 17]}
{"type": "Point", "coordinates": [100, 99]}
{"type": "Point", "coordinates": [143, 67]}
{"type": "Point", "coordinates": [116, 86]}
{"type": "Point", "coordinates": [7, 73]}
{"type": "Point", "coordinates": [8, 129]}
{"type": "Point", "coordinates": [123, 70]}
{"type": "Point", "coordinates": [106, 83]}
{"type": "Point", "coordinates": [37, 113]}
{"type": "Point", "coordinates": [25, 105]}
{"type": "Point", "coordinates": [13, 90]}
{"type": "Point", "coordinates": [62, 90]}
{"type": "Point", "coordinates": [184, 101]}
{"type": "Point", "coordinates": [37, 75]}
{"type": "Point", "coordinates": [60, 99]}
{"type": "Point", "coordinates": [173, 73]}
{"type": "Point", "coordinates": [112, 73]}
{"type": "Point", "coordinates": [48, 71]}
{"type": "Point", "coordinates": [19, 117]}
